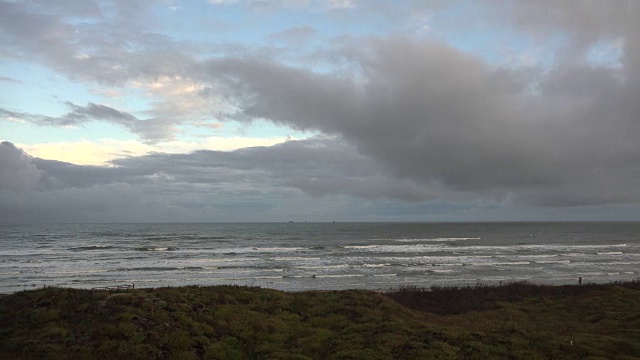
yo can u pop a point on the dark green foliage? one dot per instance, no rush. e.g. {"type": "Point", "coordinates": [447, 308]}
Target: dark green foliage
{"type": "Point", "coordinates": [515, 321]}
{"type": "Point", "coordinates": [458, 300]}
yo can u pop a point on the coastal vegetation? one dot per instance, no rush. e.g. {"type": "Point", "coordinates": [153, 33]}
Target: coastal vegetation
{"type": "Point", "coordinates": [512, 321]}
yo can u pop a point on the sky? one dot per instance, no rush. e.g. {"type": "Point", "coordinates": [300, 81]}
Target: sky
{"type": "Point", "coordinates": [319, 110]}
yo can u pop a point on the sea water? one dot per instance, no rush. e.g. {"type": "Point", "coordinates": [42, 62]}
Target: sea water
{"type": "Point", "coordinates": [304, 256]}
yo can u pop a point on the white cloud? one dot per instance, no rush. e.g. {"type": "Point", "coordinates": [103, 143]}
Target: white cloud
{"type": "Point", "coordinates": [340, 4]}
{"type": "Point", "coordinates": [85, 152]}
{"type": "Point", "coordinates": [178, 98]}
{"type": "Point", "coordinates": [220, 2]}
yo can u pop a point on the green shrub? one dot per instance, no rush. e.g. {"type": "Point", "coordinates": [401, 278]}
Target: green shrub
{"type": "Point", "coordinates": [519, 321]}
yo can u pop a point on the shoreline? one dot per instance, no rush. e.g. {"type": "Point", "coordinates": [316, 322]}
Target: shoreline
{"type": "Point", "coordinates": [579, 280]}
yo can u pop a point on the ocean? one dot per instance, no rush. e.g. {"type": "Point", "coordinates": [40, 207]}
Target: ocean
{"type": "Point", "coordinates": [319, 256]}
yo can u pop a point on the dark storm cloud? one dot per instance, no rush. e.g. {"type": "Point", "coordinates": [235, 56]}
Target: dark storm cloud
{"type": "Point", "coordinates": [17, 171]}
{"type": "Point", "coordinates": [201, 186]}
{"type": "Point", "coordinates": [430, 113]}
{"type": "Point", "coordinates": [316, 166]}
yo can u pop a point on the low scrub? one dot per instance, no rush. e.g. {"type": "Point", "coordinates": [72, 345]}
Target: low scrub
{"type": "Point", "coordinates": [515, 321]}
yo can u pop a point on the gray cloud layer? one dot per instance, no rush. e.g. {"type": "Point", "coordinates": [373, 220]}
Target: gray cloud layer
{"type": "Point", "coordinates": [432, 114]}
{"type": "Point", "coordinates": [317, 180]}
{"type": "Point", "coordinates": [261, 183]}
{"type": "Point", "coordinates": [411, 119]}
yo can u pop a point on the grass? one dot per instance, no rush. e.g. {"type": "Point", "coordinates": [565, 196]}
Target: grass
{"type": "Point", "coordinates": [514, 321]}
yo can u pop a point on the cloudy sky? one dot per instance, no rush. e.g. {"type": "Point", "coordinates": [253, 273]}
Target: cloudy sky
{"type": "Point", "coordinates": [319, 110]}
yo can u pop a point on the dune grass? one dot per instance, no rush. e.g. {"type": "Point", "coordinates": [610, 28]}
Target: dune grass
{"type": "Point", "coordinates": [514, 321]}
